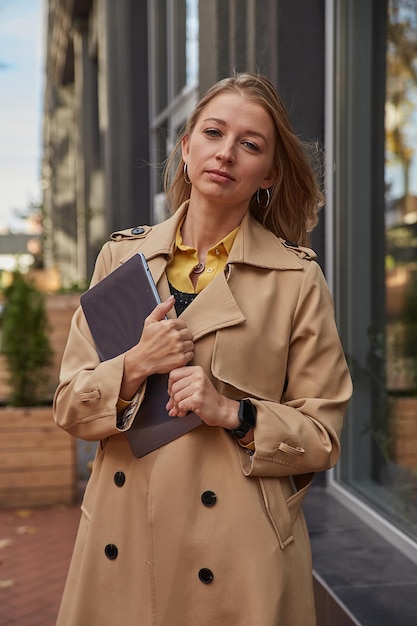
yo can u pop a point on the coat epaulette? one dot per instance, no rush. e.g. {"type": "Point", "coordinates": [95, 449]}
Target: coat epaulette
{"type": "Point", "coordinates": [301, 251]}
{"type": "Point", "coordinates": [130, 233]}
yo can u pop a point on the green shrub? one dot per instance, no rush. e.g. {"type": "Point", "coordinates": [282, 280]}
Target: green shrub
{"type": "Point", "coordinates": [25, 342]}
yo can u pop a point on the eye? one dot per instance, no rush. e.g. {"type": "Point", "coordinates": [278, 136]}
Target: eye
{"type": "Point", "coordinates": [212, 132]}
{"type": "Point", "coordinates": [251, 146]}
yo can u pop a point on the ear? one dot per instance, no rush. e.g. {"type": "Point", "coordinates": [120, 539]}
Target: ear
{"type": "Point", "coordinates": [185, 147]}
{"type": "Point", "coordinates": [269, 180]}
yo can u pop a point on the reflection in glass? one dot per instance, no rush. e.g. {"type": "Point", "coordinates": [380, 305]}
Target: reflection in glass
{"type": "Point", "coordinates": [398, 471]}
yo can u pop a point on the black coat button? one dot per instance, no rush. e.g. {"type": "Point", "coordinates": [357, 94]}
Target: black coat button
{"type": "Point", "coordinates": [206, 575]}
{"type": "Point", "coordinates": [119, 479]}
{"type": "Point", "coordinates": [138, 231]}
{"type": "Point", "coordinates": [111, 551]}
{"type": "Point", "coordinates": [208, 498]}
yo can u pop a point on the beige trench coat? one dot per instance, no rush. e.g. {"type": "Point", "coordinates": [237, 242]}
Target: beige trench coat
{"type": "Point", "coordinates": [201, 532]}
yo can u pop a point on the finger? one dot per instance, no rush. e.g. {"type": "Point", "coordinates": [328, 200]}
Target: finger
{"type": "Point", "coordinates": [188, 346]}
{"type": "Point", "coordinates": [186, 334]}
{"type": "Point", "coordinates": [175, 411]}
{"type": "Point", "coordinates": [177, 374]}
{"type": "Point", "coordinates": [188, 356]}
{"type": "Point", "coordinates": [172, 408]}
{"type": "Point", "coordinates": [185, 395]}
{"type": "Point", "coordinates": [161, 310]}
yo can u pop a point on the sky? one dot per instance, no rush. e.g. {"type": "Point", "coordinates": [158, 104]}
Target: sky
{"type": "Point", "coordinates": [21, 85]}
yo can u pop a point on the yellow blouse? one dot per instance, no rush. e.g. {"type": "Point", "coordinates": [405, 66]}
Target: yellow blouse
{"type": "Point", "coordinates": [185, 259]}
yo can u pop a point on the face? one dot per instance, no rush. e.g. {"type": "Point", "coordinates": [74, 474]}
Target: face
{"type": "Point", "coordinates": [230, 151]}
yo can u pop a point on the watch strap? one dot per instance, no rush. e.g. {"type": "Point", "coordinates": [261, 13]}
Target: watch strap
{"type": "Point", "coordinates": [247, 419]}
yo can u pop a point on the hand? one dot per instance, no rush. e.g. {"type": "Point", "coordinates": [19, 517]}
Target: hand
{"type": "Point", "coordinates": [165, 344]}
{"type": "Point", "coordinates": [190, 389]}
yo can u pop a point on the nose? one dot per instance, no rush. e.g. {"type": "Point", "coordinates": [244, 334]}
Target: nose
{"type": "Point", "coordinates": [226, 152]}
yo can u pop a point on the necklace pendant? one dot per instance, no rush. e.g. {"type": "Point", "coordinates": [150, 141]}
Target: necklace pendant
{"type": "Point", "coordinates": [199, 268]}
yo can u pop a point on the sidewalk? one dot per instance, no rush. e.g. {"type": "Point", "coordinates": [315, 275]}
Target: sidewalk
{"type": "Point", "coordinates": [35, 551]}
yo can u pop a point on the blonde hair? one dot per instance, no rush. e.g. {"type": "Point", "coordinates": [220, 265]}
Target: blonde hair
{"type": "Point", "coordinates": [295, 195]}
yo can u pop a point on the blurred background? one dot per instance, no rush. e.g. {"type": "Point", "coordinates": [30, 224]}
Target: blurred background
{"type": "Point", "coordinates": [93, 94]}
{"type": "Point", "coordinates": [21, 103]}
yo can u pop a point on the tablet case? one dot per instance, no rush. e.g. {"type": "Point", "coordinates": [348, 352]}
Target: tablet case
{"type": "Point", "coordinates": [115, 309]}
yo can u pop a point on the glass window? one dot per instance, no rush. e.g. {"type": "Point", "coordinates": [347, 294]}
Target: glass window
{"type": "Point", "coordinates": [174, 67]}
{"type": "Point", "coordinates": [400, 465]}
{"type": "Point", "coordinates": [374, 233]}
{"type": "Point", "coordinates": [191, 48]}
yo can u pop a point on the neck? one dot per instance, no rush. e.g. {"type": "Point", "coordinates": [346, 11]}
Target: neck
{"type": "Point", "coordinates": [204, 226]}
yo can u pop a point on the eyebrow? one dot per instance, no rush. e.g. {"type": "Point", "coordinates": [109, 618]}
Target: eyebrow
{"type": "Point", "coordinates": [247, 132]}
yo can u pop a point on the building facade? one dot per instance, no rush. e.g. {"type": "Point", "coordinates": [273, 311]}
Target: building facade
{"type": "Point", "coordinates": [121, 78]}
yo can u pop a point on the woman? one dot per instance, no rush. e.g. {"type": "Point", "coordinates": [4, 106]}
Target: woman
{"type": "Point", "coordinates": [208, 528]}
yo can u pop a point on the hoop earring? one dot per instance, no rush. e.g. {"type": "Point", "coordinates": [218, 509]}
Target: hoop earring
{"type": "Point", "coordinates": [268, 198]}
{"type": "Point", "coordinates": [187, 180]}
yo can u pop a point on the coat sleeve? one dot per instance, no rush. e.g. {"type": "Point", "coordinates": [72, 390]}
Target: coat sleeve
{"type": "Point", "coordinates": [86, 398]}
{"type": "Point", "coordinates": [301, 434]}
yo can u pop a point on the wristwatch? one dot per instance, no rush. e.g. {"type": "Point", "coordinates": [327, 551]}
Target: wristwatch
{"type": "Point", "coordinates": [247, 419]}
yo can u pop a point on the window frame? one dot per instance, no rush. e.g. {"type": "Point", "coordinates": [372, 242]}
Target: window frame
{"type": "Point", "coordinates": [170, 110]}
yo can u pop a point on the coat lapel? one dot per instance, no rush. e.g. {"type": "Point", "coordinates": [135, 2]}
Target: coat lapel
{"type": "Point", "coordinates": [201, 316]}
{"type": "Point", "coordinates": [215, 307]}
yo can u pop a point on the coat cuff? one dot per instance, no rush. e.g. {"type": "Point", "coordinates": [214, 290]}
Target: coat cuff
{"type": "Point", "coordinates": [126, 417]}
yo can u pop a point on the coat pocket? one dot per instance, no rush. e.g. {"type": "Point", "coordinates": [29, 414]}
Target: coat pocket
{"type": "Point", "coordinates": [302, 484]}
{"type": "Point", "coordinates": [277, 510]}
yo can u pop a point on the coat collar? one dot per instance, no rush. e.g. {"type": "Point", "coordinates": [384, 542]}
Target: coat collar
{"type": "Point", "coordinates": [254, 245]}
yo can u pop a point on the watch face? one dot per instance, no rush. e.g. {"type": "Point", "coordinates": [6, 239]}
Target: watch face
{"type": "Point", "coordinates": [247, 414]}
{"type": "Point", "coordinates": [247, 419]}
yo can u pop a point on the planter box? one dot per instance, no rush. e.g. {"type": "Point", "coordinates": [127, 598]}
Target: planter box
{"type": "Point", "coordinates": [37, 459]}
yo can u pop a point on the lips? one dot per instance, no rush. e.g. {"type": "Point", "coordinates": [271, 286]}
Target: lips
{"type": "Point", "coordinates": [220, 175]}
